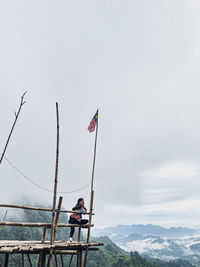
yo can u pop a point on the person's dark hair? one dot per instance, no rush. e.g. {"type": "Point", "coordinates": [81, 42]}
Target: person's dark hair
{"type": "Point", "coordinates": [79, 200]}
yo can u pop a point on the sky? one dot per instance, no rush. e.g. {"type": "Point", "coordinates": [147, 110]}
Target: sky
{"type": "Point", "coordinates": [139, 63]}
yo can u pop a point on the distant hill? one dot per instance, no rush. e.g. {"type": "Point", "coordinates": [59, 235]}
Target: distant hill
{"type": "Point", "coordinates": [147, 229]}
{"type": "Point", "coordinates": [154, 241]}
{"type": "Point", "coordinates": [112, 256]}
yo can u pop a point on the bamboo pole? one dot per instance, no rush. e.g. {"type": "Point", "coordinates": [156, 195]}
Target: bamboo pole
{"type": "Point", "coordinates": [56, 259]}
{"type": "Point", "coordinates": [38, 209]}
{"type": "Point", "coordinates": [92, 189]}
{"type": "Point", "coordinates": [49, 263]}
{"type": "Point", "coordinates": [47, 225]}
{"type": "Point", "coordinates": [4, 217]}
{"type": "Point", "coordinates": [29, 260]}
{"type": "Point", "coordinates": [81, 259]}
{"type": "Point", "coordinates": [56, 178]}
{"type": "Point", "coordinates": [78, 259]}
{"type": "Point", "coordinates": [6, 260]}
{"type": "Point", "coordinates": [44, 234]}
{"type": "Point", "coordinates": [42, 241]}
{"type": "Point", "coordinates": [24, 207]}
{"type": "Point", "coordinates": [23, 263]}
{"type": "Point", "coordinates": [62, 261]}
{"type": "Point", "coordinates": [52, 239]}
{"type": "Point", "coordinates": [13, 126]}
{"type": "Point", "coordinates": [57, 215]}
{"type": "Point", "coordinates": [79, 234]}
{"type": "Point", "coordinates": [70, 262]}
{"type": "Point", "coordinates": [43, 262]}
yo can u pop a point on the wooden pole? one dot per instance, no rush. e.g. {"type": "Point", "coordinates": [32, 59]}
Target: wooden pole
{"type": "Point", "coordinates": [4, 217]}
{"type": "Point", "coordinates": [92, 190]}
{"type": "Point", "coordinates": [56, 179]}
{"type": "Point", "coordinates": [47, 225]}
{"type": "Point", "coordinates": [6, 260]}
{"type": "Point", "coordinates": [56, 259]}
{"type": "Point", "coordinates": [57, 215]}
{"type": "Point", "coordinates": [62, 261]}
{"type": "Point", "coordinates": [78, 259]}
{"type": "Point", "coordinates": [79, 234]}
{"type": "Point", "coordinates": [44, 234]}
{"type": "Point", "coordinates": [81, 259]}
{"type": "Point", "coordinates": [36, 208]}
{"type": "Point", "coordinates": [29, 260]}
{"type": "Point", "coordinates": [42, 241]}
{"type": "Point", "coordinates": [13, 126]}
{"type": "Point", "coordinates": [23, 263]}
{"type": "Point", "coordinates": [70, 262]}
{"type": "Point", "coordinates": [49, 263]}
{"type": "Point", "coordinates": [43, 262]}
{"type": "Point", "coordinates": [52, 239]}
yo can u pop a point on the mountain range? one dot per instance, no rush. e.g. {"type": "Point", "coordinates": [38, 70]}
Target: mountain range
{"type": "Point", "coordinates": [156, 241]}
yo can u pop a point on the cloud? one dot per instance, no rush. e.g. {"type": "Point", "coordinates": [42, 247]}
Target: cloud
{"type": "Point", "coordinates": [138, 62]}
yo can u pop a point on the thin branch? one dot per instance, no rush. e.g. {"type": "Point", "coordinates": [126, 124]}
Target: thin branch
{"type": "Point", "coordinates": [13, 126]}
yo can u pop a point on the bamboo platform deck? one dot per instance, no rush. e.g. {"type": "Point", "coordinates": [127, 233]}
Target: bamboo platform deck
{"type": "Point", "coordinates": [36, 247]}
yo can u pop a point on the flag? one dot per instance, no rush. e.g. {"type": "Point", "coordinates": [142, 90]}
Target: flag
{"type": "Point", "coordinates": [93, 123]}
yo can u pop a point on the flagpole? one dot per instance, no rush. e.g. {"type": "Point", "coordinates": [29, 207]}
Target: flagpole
{"type": "Point", "coordinates": [94, 157]}
{"type": "Point", "coordinates": [92, 189]}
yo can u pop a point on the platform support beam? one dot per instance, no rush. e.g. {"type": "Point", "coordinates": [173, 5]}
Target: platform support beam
{"type": "Point", "coordinates": [62, 261]}
{"type": "Point", "coordinates": [70, 262]}
{"type": "Point", "coordinates": [29, 260]}
{"type": "Point", "coordinates": [6, 260]}
{"type": "Point", "coordinates": [43, 260]}
{"type": "Point", "coordinates": [56, 259]}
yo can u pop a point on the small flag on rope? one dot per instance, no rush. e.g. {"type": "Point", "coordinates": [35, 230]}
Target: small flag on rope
{"type": "Point", "coordinates": [93, 123]}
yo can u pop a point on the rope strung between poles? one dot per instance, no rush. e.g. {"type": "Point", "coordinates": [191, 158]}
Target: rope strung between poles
{"type": "Point", "coordinates": [40, 186]}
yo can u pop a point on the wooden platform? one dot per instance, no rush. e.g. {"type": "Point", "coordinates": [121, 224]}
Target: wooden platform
{"type": "Point", "coordinates": [35, 247]}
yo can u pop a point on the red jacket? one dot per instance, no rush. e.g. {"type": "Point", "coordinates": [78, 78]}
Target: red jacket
{"type": "Point", "coordinates": [77, 215]}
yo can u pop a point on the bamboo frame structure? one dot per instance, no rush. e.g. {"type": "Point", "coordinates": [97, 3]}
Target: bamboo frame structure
{"type": "Point", "coordinates": [49, 251]}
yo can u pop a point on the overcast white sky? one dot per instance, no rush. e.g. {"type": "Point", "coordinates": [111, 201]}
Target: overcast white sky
{"type": "Point", "coordinates": [139, 63]}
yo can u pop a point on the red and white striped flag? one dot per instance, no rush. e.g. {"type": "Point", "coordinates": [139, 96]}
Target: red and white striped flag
{"type": "Point", "coordinates": [93, 123]}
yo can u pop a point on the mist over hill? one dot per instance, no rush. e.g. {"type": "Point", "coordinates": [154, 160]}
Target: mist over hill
{"type": "Point", "coordinates": [156, 241]}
